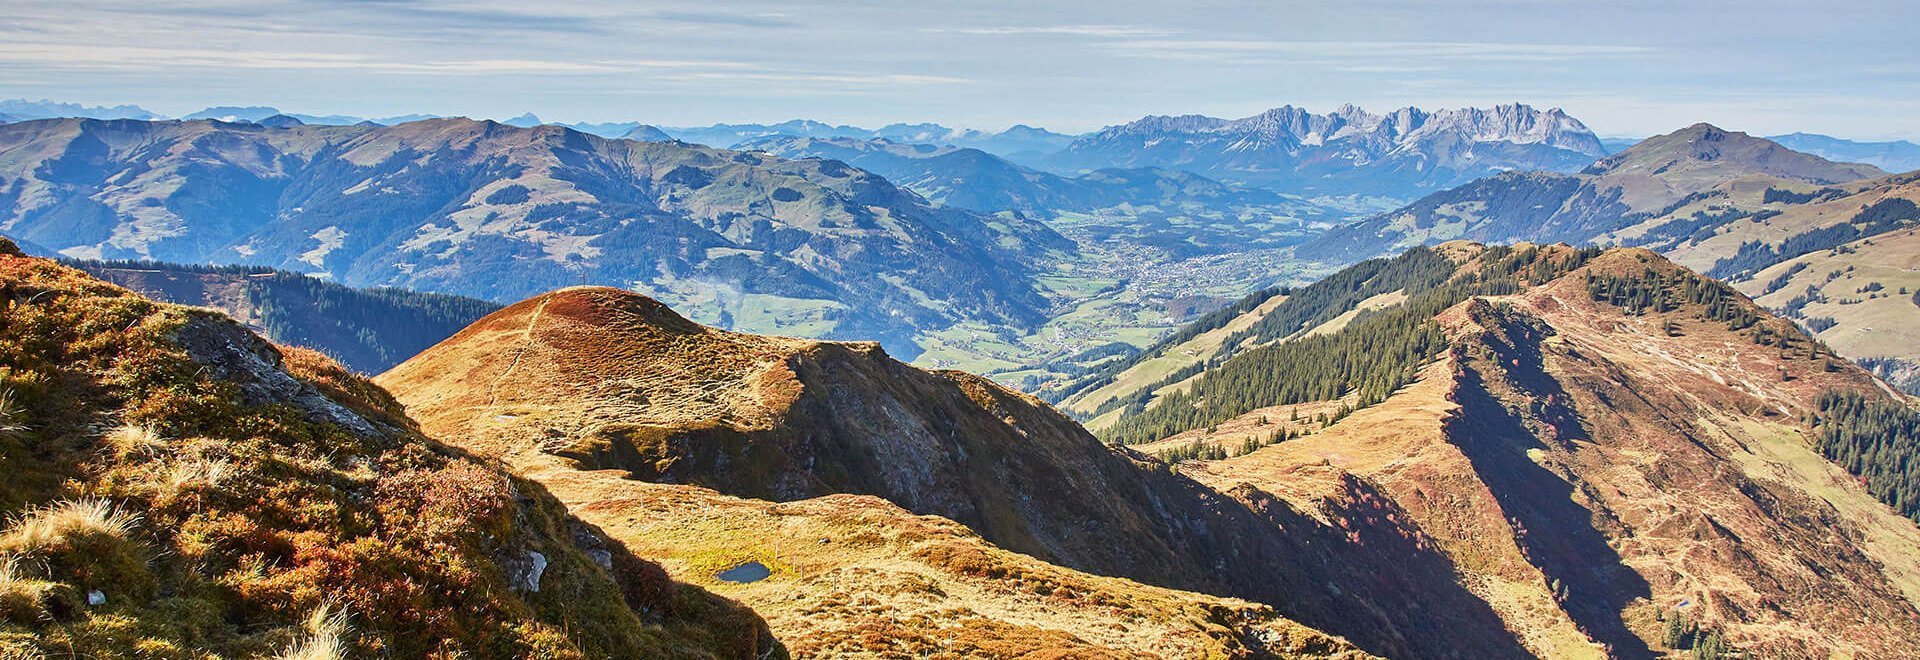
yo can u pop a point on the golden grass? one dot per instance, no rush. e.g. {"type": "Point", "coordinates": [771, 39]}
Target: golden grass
{"type": "Point", "coordinates": [327, 630]}
{"type": "Point", "coordinates": [132, 440]}
{"type": "Point", "coordinates": [60, 526]}
{"type": "Point", "coordinates": [19, 594]}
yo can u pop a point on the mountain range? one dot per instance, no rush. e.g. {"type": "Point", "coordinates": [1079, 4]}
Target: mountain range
{"type": "Point", "coordinates": [1502, 485]}
{"type": "Point", "coordinates": [1019, 141]}
{"type": "Point", "coordinates": [974, 179]}
{"type": "Point", "coordinates": [797, 247]}
{"type": "Point", "coordinates": [1892, 156]}
{"type": "Point", "coordinates": [1789, 228]}
{"type": "Point", "coordinates": [24, 109]}
{"type": "Point", "coordinates": [1405, 153]}
{"type": "Point", "coordinates": [1650, 181]}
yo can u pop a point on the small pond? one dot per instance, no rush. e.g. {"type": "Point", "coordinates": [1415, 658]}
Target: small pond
{"type": "Point", "coordinates": [752, 571]}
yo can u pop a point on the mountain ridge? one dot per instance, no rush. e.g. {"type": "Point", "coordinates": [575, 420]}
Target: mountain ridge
{"type": "Point", "coordinates": [810, 243]}
{"type": "Point", "coordinates": [1614, 193]}
{"type": "Point", "coordinates": [1347, 151]}
{"type": "Point", "coordinates": [606, 390]}
{"type": "Point", "coordinates": [1533, 448]}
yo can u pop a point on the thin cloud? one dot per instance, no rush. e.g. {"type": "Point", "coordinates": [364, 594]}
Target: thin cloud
{"type": "Point", "coordinates": [727, 20]}
{"type": "Point", "coordinates": [1228, 49]}
{"type": "Point", "coordinates": [882, 79]}
{"type": "Point", "coordinates": [134, 58]}
{"type": "Point", "coordinates": [1113, 31]}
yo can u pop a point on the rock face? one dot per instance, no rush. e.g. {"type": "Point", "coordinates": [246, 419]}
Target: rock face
{"type": "Point", "coordinates": [1405, 153]}
{"type": "Point", "coordinates": [502, 212]}
{"type": "Point", "coordinates": [204, 492]}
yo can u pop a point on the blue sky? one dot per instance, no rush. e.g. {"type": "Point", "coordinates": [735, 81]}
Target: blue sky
{"type": "Point", "coordinates": [1626, 67]}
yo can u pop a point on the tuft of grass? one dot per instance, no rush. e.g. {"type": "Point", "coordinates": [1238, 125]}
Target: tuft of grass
{"type": "Point", "coordinates": [86, 544]}
{"type": "Point", "coordinates": [27, 600]}
{"type": "Point", "coordinates": [327, 631]}
{"type": "Point", "coordinates": [204, 472]}
{"type": "Point", "coordinates": [130, 440]}
{"type": "Point", "coordinates": [11, 417]}
{"type": "Point", "coordinates": [68, 525]}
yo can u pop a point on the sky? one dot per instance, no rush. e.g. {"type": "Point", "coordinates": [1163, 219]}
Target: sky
{"type": "Point", "coordinates": [1849, 68]}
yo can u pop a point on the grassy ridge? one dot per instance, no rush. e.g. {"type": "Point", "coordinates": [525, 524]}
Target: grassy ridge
{"type": "Point", "coordinates": [1377, 353]}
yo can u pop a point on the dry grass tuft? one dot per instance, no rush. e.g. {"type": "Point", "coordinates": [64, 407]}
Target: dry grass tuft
{"type": "Point", "coordinates": [63, 525]}
{"type": "Point", "coordinates": [10, 415]}
{"type": "Point", "coordinates": [198, 471]}
{"type": "Point", "coordinates": [25, 599]}
{"type": "Point", "coordinates": [129, 440]}
{"type": "Point", "coordinates": [327, 632]}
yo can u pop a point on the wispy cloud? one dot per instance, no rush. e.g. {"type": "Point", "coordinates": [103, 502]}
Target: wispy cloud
{"type": "Point", "coordinates": [134, 58]}
{"type": "Point", "coordinates": [879, 79]}
{"type": "Point", "coordinates": [1114, 31]}
{"type": "Point", "coordinates": [766, 20]}
{"type": "Point", "coordinates": [1245, 50]}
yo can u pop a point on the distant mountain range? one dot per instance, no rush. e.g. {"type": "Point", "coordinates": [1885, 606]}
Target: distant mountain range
{"type": "Point", "coordinates": [1895, 156]}
{"type": "Point", "coordinates": [974, 179]}
{"type": "Point", "coordinates": [1018, 141]}
{"type": "Point", "coordinates": [1405, 153]}
{"type": "Point", "coordinates": [1656, 178]}
{"type": "Point", "coordinates": [1615, 145]}
{"type": "Point", "coordinates": [257, 114]}
{"type": "Point", "coordinates": [23, 109]}
{"type": "Point", "coordinates": [1183, 213]}
{"type": "Point", "coordinates": [482, 209]}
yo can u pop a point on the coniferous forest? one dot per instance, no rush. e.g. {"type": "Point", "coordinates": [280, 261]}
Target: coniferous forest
{"type": "Point", "coordinates": [1878, 442]}
{"type": "Point", "coordinates": [369, 330]}
{"type": "Point", "coordinates": [1380, 351]}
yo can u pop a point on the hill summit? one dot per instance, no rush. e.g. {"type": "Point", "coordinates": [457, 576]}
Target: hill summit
{"type": "Point", "coordinates": [647, 423]}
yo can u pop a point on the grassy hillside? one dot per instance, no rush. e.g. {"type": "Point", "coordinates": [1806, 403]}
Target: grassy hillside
{"type": "Point", "coordinates": [1858, 297]}
{"type": "Point", "coordinates": [647, 419]}
{"type": "Point", "coordinates": [184, 489]}
{"type": "Point", "coordinates": [1626, 460]}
